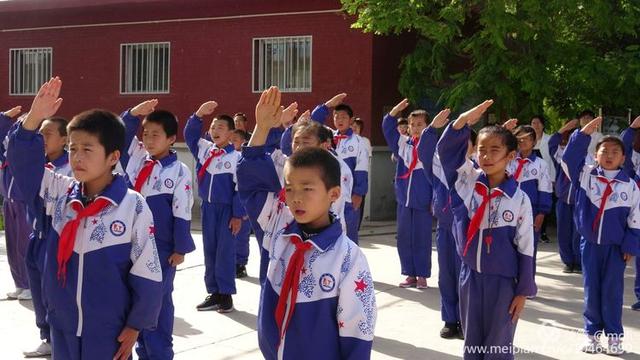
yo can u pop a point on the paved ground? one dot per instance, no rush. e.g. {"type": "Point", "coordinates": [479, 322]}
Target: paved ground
{"type": "Point", "coordinates": [408, 319]}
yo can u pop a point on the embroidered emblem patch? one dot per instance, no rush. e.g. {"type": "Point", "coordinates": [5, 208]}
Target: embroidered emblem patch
{"type": "Point", "coordinates": [624, 196]}
{"type": "Point", "coordinates": [168, 183]}
{"type": "Point", "coordinates": [534, 172]}
{"type": "Point", "coordinates": [117, 228]}
{"type": "Point", "coordinates": [350, 148]}
{"type": "Point", "coordinates": [227, 165]}
{"type": "Point", "coordinates": [327, 282]}
{"type": "Point", "coordinates": [507, 216]}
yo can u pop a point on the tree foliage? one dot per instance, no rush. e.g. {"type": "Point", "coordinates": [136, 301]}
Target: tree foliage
{"type": "Point", "coordinates": [527, 54]}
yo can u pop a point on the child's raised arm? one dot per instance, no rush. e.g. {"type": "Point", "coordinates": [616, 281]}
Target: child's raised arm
{"type": "Point", "coordinates": [193, 128]}
{"type": "Point", "coordinates": [131, 119]}
{"type": "Point", "coordinates": [389, 126]}
{"type": "Point", "coordinates": [628, 136]}
{"type": "Point", "coordinates": [576, 150]}
{"type": "Point", "coordinates": [429, 141]}
{"type": "Point", "coordinates": [321, 111]}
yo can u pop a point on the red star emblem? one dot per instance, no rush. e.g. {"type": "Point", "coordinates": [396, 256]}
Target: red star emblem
{"type": "Point", "coordinates": [304, 270]}
{"type": "Point", "coordinates": [187, 187]}
{"type": "Point", "coordinates": [340, 324]}
{"type": "Point", "coordinates": [94, 221]}
{"type": "Point", "coordinates": [152, 230]}
{"type": "Point", "coordinates": [360, 285]}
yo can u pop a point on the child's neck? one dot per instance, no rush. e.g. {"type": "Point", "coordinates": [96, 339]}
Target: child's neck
{"type": "Point", "coordinates": [55, 155]}
{"type": "Point", "coordinates": [317, 225]}
{"type": "Point", "coordinates": [222, 145]}
{"type": "Point", "coordinates": [162, 155]}
{"type": "Point", "coordinates": [96, 186]}
{"type": "Point", "coordinates": [525, 154]}
{"type": "Point", "coordinates": [496, 179]}
{"type": "Point", "coordinates": [343, 131]}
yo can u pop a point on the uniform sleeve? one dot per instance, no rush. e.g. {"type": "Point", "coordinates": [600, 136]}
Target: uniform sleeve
{"type": "Point", "coordinates": [145, 276]}
{"type": "Point", "coordinates": [356, 313]}
{"type": "Point", "coordinates": [25, 155]}
{"type": "Point", "coordinates": [545, 188]}
{"type": "Point", "coordinates": [427, 151]}
{"type": "Point", "coordinates": [554, 144]}
{"type": "Point", "coordinates": [574, 155]}
{"type": "Point", "coordinates": [524, 244]}
{"type": "Point", "coordinates": [286, 142]}
{"type": "Point", "coordinates": [627, 139]}
{"type": "Point", "coordinates": [320, 113]}
{"type": "Point", "coordinates": [452, 150]}
{"type": "Point", "coordinates": [182, 203]}
{"type": "Point", "coordinates": [631, 240]}
{"type": "Point", "coordinates": [390, 132]}
{"type": "Point", "coordinates": [192, 132]}
{"type": "Point", "coordinates": [237, 209]}
{"type": "Point", "coordinates": [131, 124]}
{"type": "Point", "coordinates": [361, 172]}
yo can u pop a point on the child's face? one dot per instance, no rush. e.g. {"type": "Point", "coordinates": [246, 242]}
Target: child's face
{"type": "Point", "coordinates": [609, 156]}
{"type": "Point", "coordinates": [237, 141]}
{"type": "Point", "coordinates": [53, 142]}
{"type": "Point", "coordinates": [304, 139]}
{"type": "Point", "coordinates": [585, 119]}
{"type": "Point", "coordinates": [356, 128]}
{"type": "Point", "coordinates": [536, 124]}
{"type": "Point", "coordinates": [525, 143]}
{"type": "Point", "coordinates": [493, 156]}
{"type": "Point", "coordinates": [307, 196]}
{"type": "Point", "coordinates": [87, 157]}
{"type": "Point", "coordinates": [220, 133]}
{"type": "Point", "coordinates": [341, 120]}
{"type": "Point", "coordinates": [416, 125]}
{"type": "Point", "coordinates": [155, 140]}
{"type": "Point", "coordinates": [403, 129]}
{"type": "Point", "coordinates": [240, 123]}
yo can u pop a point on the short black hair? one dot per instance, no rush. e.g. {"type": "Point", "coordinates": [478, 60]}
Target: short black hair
{"type": "Point", "coordinates": [526, 130]}
{"type": "Point", "coordinates": [541, 118]}
{"type": "Point", "coordinates": [610, 139]}
{"type": "Point", "coordinates": [105, 125]}
{"type": "Point", "coordinates": [313, 127]}
{"type": "Point", "coordinates": [473, 137]}
{"type": "Point", "coordinates": [245, 135]}
{"type": "Point", "coordinates": [313, 157]}
{"type": "Point", "coordinates": [228, 119]}
{"type": "Point", "coordinates": [61, 122]}
{"type": "Point", "coordinates": [402, 121]}
{"type": "Point", "coordinates": [420, 112]}
{"type": "Point", "coordinates": [166, 119]}
{"type": "Point", "coordinates": [508, 139]}
{"type": "Point", "coordinates": [586, 112]}
{"type": "Point", "coordinates": [346, 108]}
{"type": "Point", "coordinates": [242, 115]}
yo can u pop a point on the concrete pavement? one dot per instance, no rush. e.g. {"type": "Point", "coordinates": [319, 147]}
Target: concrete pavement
{"type": "Point", "coordinates": [408, 319]}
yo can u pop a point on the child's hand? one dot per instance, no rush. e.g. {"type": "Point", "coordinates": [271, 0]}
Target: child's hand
{"type": "Point", "coordinates": [176, 259]}
{"type": "Point", "coordinates": [626, 257]}
{"type": "Point", "coordinates": [510, 124]}
{"type": "Point", "coordinates": [470, 117]}
{"type": "Point", "coordinates": [289, 113]}
{"type": "Point", "coordinates": [356, 201]}
{"type": "Point", "coordinates": [235, 224]}
{"type": "Point", "coordinates": [306, 116]}
{"type": "Point", "coordinates": [336, 100]}
{"type": "Point", "coordinates": [45, 104]}
{"type": "Point", "coordinates": [537, 222]}
{"type": "Point", "coordinates": [268, 109]}
{"type": "Point", "coordinates": [127, 339]}
{"type": "Point", "coordinates": [570, 125]}
{"type": "Point", "coordinates": [144, 108]}
{"type": "Point", "coordinates": [634, 125]}
{"type": "Point", "coordinates": [399, 108]}
{"type": "Point", "coordinates": [13, 112]}
{"type": "Point", "coordinates": [592, 126]}
{"type": "Point", "coordinates": [441, 119]}
{"type": "Point", "coordinates": [517, 305]}
{"type": "Point", "coordinates": [206, 109]}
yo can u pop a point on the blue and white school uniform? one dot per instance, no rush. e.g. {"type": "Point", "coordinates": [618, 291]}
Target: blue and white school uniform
{"type": "Point", "coordinates": [113, 277]}
{"type": "Point", "coordinates": [605, 238]}
{"type": "Point", "coordinates": [414, 219]}
{"type": "Point", "coordinates": [499, 262]}
{"type": "Point", "coordinates": [335, 309]}
{"type": "Point", "coordinates": [220, 203]}
{"type": "Point", "coordinates": [632, 165]}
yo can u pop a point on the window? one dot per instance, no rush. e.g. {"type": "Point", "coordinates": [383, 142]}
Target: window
{"type": "Point", "coordinates": [282, 61]}
{"type": "Point", "coordinates": [28, 70]}
{"type": "Point", "coordinates": [144, 68]}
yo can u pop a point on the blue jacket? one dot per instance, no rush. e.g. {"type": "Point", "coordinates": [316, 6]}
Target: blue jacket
{"type": "Point", "coordinates": [168, 191]}
{"type": "Point", "coordinates": [415, 192]}
{"type": "Point", "coordinates": [563, 187]}
{"type": "Point", "coordinates": [335, 311]}
{"type": "Point", "coordinates": [508, 219]}
{"type": "Point", "coordinates": [352, 150]}
{"type": "Point", "coordinates": [620, 222]}
{"type": "Point", "coordinates": [432, 166]}
{"type": "Point", "coordinates": [535, 181]}
{"type": "Point", "coordinates": [113, 276]}
{"type": "Point", "coordinates": [8, 188]}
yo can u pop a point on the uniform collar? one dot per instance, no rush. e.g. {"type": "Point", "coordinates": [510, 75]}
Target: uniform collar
{"type": "Point", "coordinates": [114, 192]}
{"type": "Point", "coordinates": [62, 160]}
{"type": "Point", "coordinates": [227, 148]}
{"type": "Point", "coordinates": [348, 133]}
{"type": "Point", "coordinates": [621, 177]}
{"type": "Point", "coordinates": [508, 187]}
{"type": "Point", "coordinates": [167, 160]}
{"type": "Point", "coordinates": [532, 157]}
{"type": "Point", "coordinates": [322, 241]}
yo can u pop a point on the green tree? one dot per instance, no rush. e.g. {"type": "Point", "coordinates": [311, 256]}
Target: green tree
{"type": "Point", "coordinates": [528, 55]}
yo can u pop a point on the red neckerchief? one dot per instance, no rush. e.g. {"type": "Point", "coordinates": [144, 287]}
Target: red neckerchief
{"type": "Point", "coordinates": [144, 174]}
{"type": "Point", "coordinates": [212, 155]}
{"type": "Point", "coordinates": [474, 225]}
{"type": "Point", "coordinates": [414, 157]}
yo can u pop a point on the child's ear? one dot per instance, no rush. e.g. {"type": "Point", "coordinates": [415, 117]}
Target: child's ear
{"type": "Point", "coordinates": [173, 139]}
{"type": "Point", "coordinates": [113, 158]}
{"type": "Point", "coordinates": [334, 193]}
{"type": "Point", "coordinates": [511, 155]}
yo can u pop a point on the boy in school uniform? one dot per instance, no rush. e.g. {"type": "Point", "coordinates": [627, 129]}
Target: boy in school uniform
{"type": "Point", "coordinates": [102, 280]}
{"type": "Point", "coordinates": [221, 209]}
{"type": "Point", "coordinates": [531, 173]}
{"type": "Point", "coordinates": [238, 138]}
{"type": "Point", "coordinates": [351, 148]}
{"type": "Point", "coordinates": [568, 236]}
{"type": "Point", "coordinates": [14, 211]}
{"type": "Point", "coordinates": [318, 300]}
{"type": "Point", "coordinates": [54, 134]}
{"type": "Point", "coordinates": [608, 219]}
{"type": "Point", "coordinates": [414, 197]}
{"type": "Point", "coordinates": [153, 170]}
{"type": "Point", "coordinates": [493, 229]}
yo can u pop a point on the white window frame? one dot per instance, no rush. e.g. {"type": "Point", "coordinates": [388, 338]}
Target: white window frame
{"type": "Point", "coordinates": [123, 46]}
{"type": "Point", "coordinates": [42, 75]}
{"type": "Point", "coordinates": [288, 70]}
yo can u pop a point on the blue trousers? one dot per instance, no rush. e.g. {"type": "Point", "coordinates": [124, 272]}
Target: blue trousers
{"type": "Point", "coordinates": [35, 266]}
{"type": "Point", "coordinates": [16, 232]}
{"type": "Point", "coordinates": [603, 275]}
{"type": "Point", "coordinates": [242, 243]}
{"type": "Point", "coordinates": [568, 236]}
{"type": "Point", "coordinates": [219, 249]}
{"type": "Point", "coordinates": [414, 241]}
{"type": "Point", "coordinates": [68, 346]}
{"type": "Point", "coordinates": [352, 219]}
{"type": "Point", "coordinates": [484, 312]}
{"type": "Point", "coordinates": [637, 285]}
{"type": "Point", "coordinates": [158, 343]}
{"type": "Point", "coordinates": [449, 264]}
